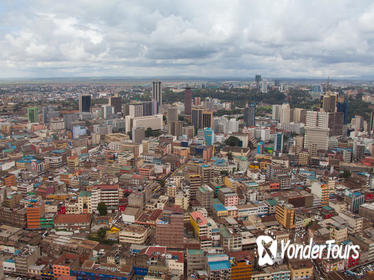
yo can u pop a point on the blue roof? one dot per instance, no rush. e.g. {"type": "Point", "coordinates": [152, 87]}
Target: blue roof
{"type": "Point", "coordinates": [219, 207]}
{"type": "Point", "coordinates": [221, 265]}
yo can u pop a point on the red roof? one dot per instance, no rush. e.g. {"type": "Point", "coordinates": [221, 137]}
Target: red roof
{"type": "Point", "coordinates": [73, 219]}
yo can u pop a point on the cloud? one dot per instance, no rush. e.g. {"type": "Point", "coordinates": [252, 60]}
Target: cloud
{"type": "Point", "coordinates": [233, 38]}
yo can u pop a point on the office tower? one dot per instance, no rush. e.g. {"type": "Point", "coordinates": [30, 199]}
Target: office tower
{"type": "Point", "coordinates": [208, 120]}
{"type": "Point", "coordinates": [315, 119]}
{"type": "Point", "coordinates": [276, 111]}
{"type": "Point", "coordinates": [371, 123]}
{"type": "Point", "coordinates": [316, 139]}
{"type": "Point", "coordinates": [197, 117]}
{"type": "Point", "coordinates": [136, 110]}
{"type": "Point", "coordinates": [170, 228]}
{"type": "Point", "coordinates": [107, 111]}
{"type": "Point", "coordinates": [264, 87]}
{"type": "Point", "coordinates": [329, 102]}
{"type": "Point", "coordinates": [175, 128]}
{"type": "Point", "coordinates": [278, 143]}
{"type": "Point", "coordinates": [85, 103]}
{"type": "Point", "coordinates": [285, 113]}
{"type": "Point", "coordinates": [116, 103]}
{"type": "Point", "coordinates": [32, 114]}
{"type": "Point", "coordinates": [258, 81]}
{"type": "Point", "coordinates": [355, 200]}
{"type": "Point", "coordinates": [45, 117]}
{"type": "Point", "coordinates": [138, 135]}
{"type": "Point", "coordinates": [157, 93]}
{"type": "Point", "coordinates": [172, 114]}
{"type": "Point", "coordinates": [336, 123]}
{"type": "Point", "coordinates": [343, 107]}
{"type": "Point", "coordinates": [277, 83]}
{"type": "Point", "coordinates": [299, 115]}
{"type": "Point", "coordinates": [250, 115]}
{"type": "Point", "coordinates": [285, 215]}
{"type": "Point", "coordinates": [209, 136]}
{"type": "Point", "coordinates": [188, 101]}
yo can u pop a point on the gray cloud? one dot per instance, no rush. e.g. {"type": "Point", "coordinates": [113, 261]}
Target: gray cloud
{"type": "Point", "coordinates": [282, 38]}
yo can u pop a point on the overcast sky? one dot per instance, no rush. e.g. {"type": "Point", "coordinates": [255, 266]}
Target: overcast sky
{"type": "Point", "coordinates": [206, 38]}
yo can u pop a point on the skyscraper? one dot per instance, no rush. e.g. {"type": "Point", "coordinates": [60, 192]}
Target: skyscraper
{"type": "Point", "coordinates": [258, 80]}
{"type": "Point", "coordinates": [157, 92]}
{"type": "Point", "coordinates": [116, 103]}
{"type": "Point", "coordinates": [343, 107]}
{"type": "Point", "coordinates": [278, 143]}
{"type": "Point", "coordinates": [197, 117]}
{"type": "Point", "coordinates": [208, 119]}
{"type": "Point", "coordinates": [329, 102]}
{"type": "Point", "coordinates": [250, 115]}
{"type": "Point", "coordinates": [188, 101]}
{"type": "Point", "coordinates": [85, 103]}
{"type": "Point", "coordinates": [32, 114]}
{"type": "Point", "coordinates": [172, 114]}
{"type": "Point", "coordinates": [208, 136]}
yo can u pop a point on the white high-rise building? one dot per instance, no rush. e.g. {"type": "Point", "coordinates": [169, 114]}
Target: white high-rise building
{"type": "Point", "coordinates": [316, 119]}
{"type": "Point", "coordinates": [285, 114]}
{"type": "Point", "coordinates": [276, 112]}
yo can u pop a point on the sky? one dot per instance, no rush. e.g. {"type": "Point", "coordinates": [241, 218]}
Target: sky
{"type": "Point", "coordinates": [210, 38]}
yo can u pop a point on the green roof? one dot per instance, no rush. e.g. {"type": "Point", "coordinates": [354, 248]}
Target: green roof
{"type": "Point", "coordinates": [195, 251]}
{"type": "Point", "coordinates": [84, 193]}
{"type": "Point", "coordinates": [272, 202]}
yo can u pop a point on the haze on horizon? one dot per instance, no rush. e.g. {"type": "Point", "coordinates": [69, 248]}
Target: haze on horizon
{"type": "Point", "coordinates": [283, 38]}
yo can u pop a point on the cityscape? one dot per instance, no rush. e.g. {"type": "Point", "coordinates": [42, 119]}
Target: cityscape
{"type": "Point", "coordinates": [186, 140]}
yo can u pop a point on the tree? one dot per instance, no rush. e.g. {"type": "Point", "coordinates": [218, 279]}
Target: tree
{"type": "Point", "coordinates": [148, 132]}
{"type": "Point", "coordinates": [233, 141]}
{"type": "Point", "coordinates": [101, 233]}
{"type": "Point", "coordinates": [102, 208]}
{"type": "Point", "coordinates": [229, 156]}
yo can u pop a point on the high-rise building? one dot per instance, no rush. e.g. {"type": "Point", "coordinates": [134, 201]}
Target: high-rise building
{"type": "Point", "coordinates": [85, 103]}
{"type": "Point", "coordinates": [175, 128]}
{"type": "Point", "coordinates": [208, 120]}
{"type": "Point", "coordinates": [157, 92]}
{"type": "Point", "coordinates": [258, 80]}
{"type": "Point", "coordinates": [209, 136]}
{"type": "Point", "coordinates": [172, 114]}
{"type": "Point", "coordinates": [116, 103]}
{"type": "Point", "coordinates": [371, 123]}
{"type": "Point", "coordinates": [316, 139]}
{"type": "Point", "coordinates": [285, 113]}
{"type": "Point", "coordinates": [299, 115]}
{"type": "Point", "coordinates": [278, 143]}
{"type": "Point", "coordinates": [188, 101]}
{"type": "Point", "coordinates": [336, 123]}
{"type": "Point", "coordinates": [329, 102]}
{"type": "Point", "coordinates": [285, 215]}
{"type": "Point", "coordinates": [277, 108]}
{"type": "Point", "coordinates": [170, 228]}
{"type": "Point", "coordinates": [343, 107]}
{"type": "Point", "coordinates": [107, 111]}
{"type": "Point", "coordinates": [197, 117]}
{"type": "Point", "coordinates": [250, 115]}
{"type": "Point", "coordinates": [138, 134]}
{"type": "Point", "coordinates": [32, 114]}
{"type": "Point", "coordinates": [315, 119]}
{"type": "Point", "coordinates": [136, 110]}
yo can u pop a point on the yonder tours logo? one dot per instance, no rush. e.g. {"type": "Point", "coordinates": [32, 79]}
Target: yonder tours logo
{"type": "Point", "coordinates": [267, 250]}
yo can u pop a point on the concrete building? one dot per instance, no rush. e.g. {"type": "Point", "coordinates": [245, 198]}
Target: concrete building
{"type": "Point", "coordinates": [285, 215]}
{"type": "Point", "coordinates": [134, 234]}
{"type": "Point", "coordinates": [170, 221]}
